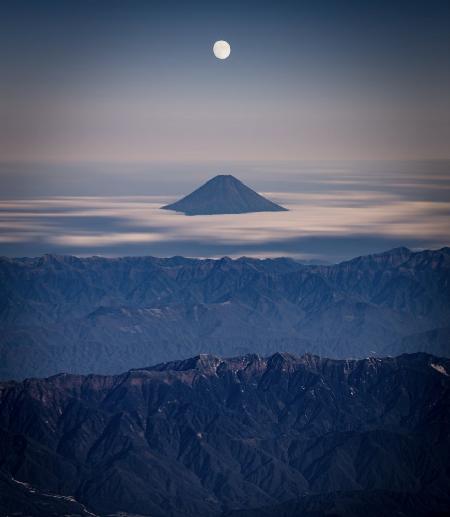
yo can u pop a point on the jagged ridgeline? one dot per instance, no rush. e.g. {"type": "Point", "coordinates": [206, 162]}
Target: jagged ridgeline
{"type": "Point", "coordinates": [98, 315]}
{"type": "Point", "coordinates": [248, 436]}
{"type": "Point", "coordinates": [223, 194]}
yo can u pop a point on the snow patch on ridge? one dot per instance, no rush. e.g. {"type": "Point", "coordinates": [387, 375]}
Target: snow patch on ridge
{"type": "Point", "coordinates": [439, 368]}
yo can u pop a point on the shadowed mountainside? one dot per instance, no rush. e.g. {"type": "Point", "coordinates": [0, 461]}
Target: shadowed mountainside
{"type": "Point", "coordinates": [82, 315]}
{"type": "Point", "coordinates": [223, 194]}
{"type": "Point", "coordinates": [208, 436]}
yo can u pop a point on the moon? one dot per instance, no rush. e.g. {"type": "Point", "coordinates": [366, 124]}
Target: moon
{"type": "Point", "coordinates": [221, 49]}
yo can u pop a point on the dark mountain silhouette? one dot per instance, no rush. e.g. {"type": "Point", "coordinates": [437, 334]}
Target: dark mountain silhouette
{"type": "Point", "coordinates": [82, 315]}
{"type": "Point", "coordinates": [247, 436]}
{"type": "Point", "coordinates": [223, 194]}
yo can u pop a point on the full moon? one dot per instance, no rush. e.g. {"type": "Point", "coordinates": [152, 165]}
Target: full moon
{"type": "Point", "coordinates": [221, 49]}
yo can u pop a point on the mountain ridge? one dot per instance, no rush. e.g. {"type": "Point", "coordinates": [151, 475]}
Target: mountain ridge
{"type": "Point", "coordinates": [212, 436]}
{"type": "Point", "coordinates": [62, 313]}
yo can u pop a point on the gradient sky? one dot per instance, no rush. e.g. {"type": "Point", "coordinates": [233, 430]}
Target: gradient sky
{"type": "Point", "coordinates": [128, 80]}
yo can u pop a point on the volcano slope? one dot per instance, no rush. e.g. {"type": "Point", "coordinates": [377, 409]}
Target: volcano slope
{"type": "Point", "coordinates": [223, 194]}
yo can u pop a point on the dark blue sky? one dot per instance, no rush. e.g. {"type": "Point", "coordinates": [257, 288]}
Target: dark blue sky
{"type": "Point", "coordinates": [136, 80]}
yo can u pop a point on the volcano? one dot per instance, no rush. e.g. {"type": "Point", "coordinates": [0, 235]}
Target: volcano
{"type": "Point", "coordinates": [223, 194]}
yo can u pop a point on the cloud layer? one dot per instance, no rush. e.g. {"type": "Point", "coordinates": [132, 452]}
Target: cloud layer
{"type": "Point", "coordinates": [330, 217]}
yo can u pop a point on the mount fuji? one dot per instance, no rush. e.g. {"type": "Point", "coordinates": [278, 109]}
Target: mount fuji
{"type": "Point", "coordinates": [223, 194]}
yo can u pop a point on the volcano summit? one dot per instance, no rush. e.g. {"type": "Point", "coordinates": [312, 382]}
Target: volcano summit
{"type": "Point", "coordinates": [223, 194]}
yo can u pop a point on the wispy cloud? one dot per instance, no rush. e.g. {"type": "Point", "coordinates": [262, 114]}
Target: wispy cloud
{"type": "Point", "coordinates": [324, 220]}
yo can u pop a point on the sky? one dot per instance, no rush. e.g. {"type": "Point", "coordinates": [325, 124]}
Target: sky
{"type": "Point", "coordinates": [136, 81]}
{"type": "Point", "coordinates": [339, 110]}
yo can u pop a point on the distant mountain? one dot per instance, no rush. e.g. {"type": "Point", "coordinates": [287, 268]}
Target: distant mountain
{"type": "Point", "coordinates": [248, 436]}
{"type": "Point", "coordinates": [83, 315]}
{"type": "Point", "coordinates": [435, 341]}
{"type": "Point", "coordinates": [223, 194]}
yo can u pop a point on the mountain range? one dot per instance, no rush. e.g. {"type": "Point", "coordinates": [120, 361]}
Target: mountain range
{"type": "Point", "coordinates": [107, 315]}
{"type": "Point", "coordinates": [223, 194]}
{"type": "Point", "coordinates": [247, 436]}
